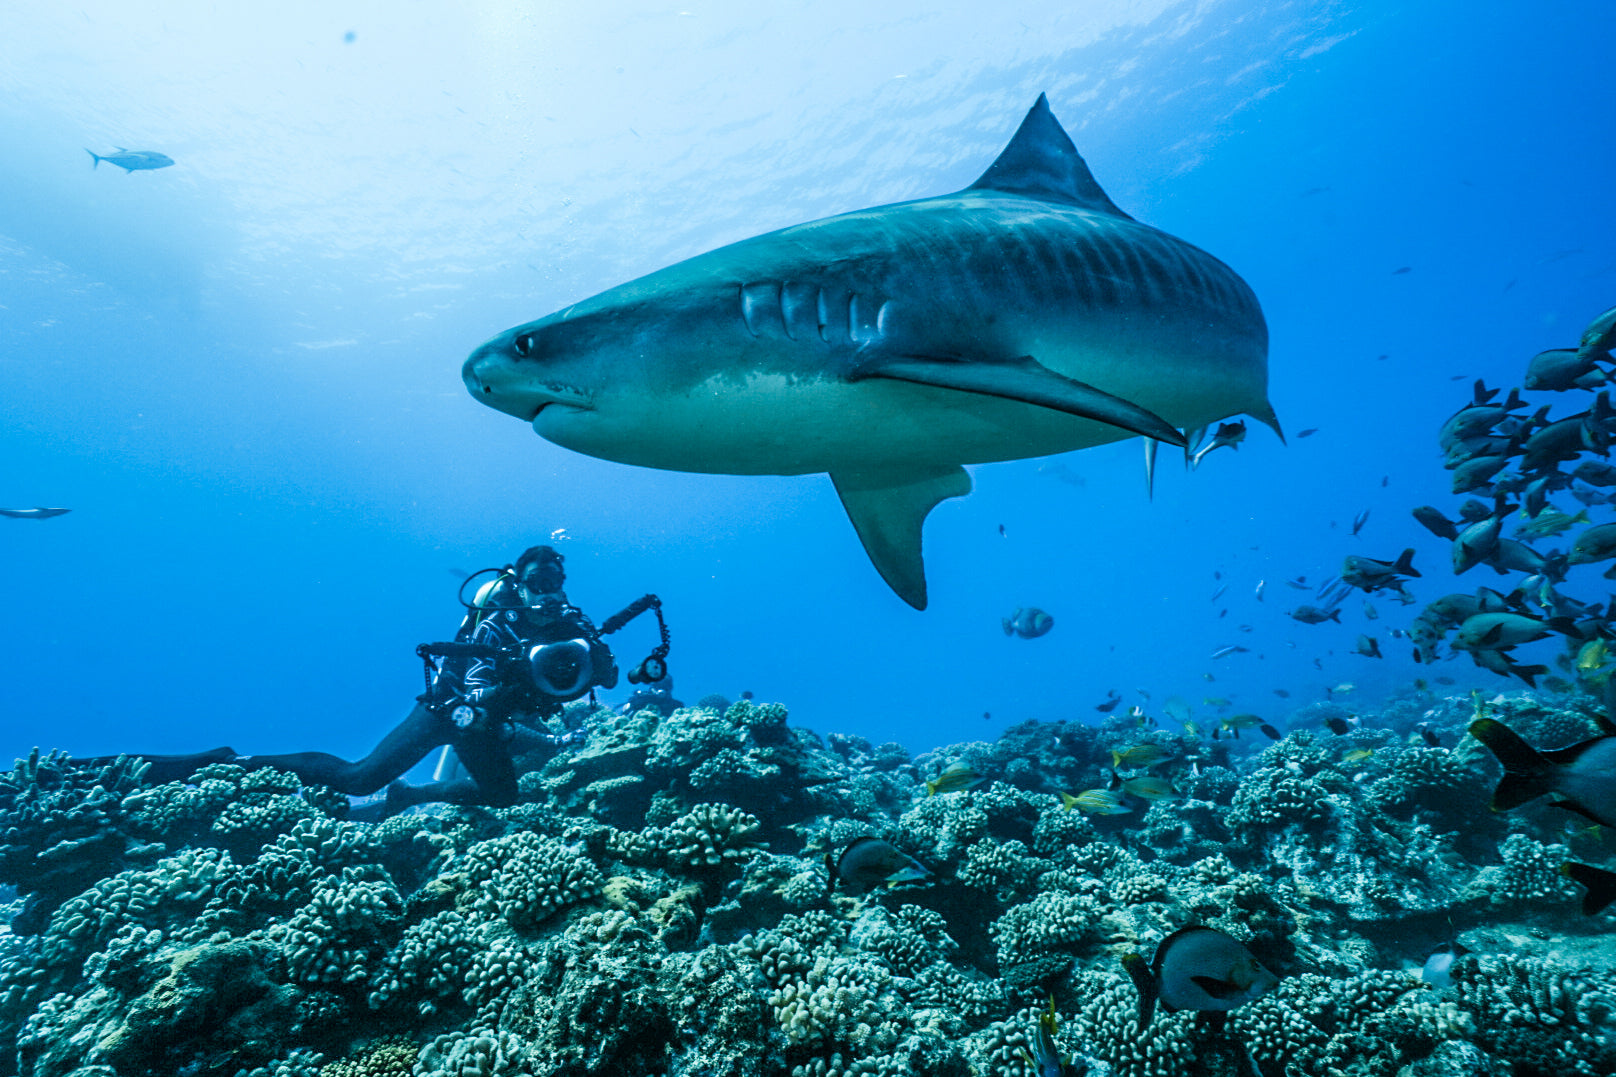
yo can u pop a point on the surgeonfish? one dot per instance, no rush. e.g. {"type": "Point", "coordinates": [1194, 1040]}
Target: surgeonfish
{"type": "Point", "coordinates": [1583, 773]}
{"type": "Point", "coordinates": [1028, 622]}
{"type": "Point", "coordinates": [868, 862]}
{"type": "Point", "coordinates": [1197, 968]}
{"type": "Point", "coordinates": [957, 777]}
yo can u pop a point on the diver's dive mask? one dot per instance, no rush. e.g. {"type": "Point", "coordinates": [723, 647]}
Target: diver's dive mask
{"type": "Point", "coordinates": [562, 670]}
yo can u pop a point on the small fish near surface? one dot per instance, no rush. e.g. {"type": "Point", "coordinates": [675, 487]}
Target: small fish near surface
{"type": "Point", "coordinates": [1583, 773]}
{"type": "Point", "coordinates": [33, 514]}
{"type": "Point", "coordinates": [1028, 622]}
{"type": "Point", "coordinates": [1023, 316]}
{"type": "Point", "coordinates": [132, 160]}
{"type": "Point", "coordinates": [1197, 968]}
{"type": "Point", "coordinates": [867, 863]}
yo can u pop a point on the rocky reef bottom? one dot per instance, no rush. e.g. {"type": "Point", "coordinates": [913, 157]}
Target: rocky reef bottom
{"type": "Point", "coordinates": [659, 903]}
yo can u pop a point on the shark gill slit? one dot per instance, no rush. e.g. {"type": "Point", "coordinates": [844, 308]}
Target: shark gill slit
{"type": "Point", "coordinates": [760, 303]}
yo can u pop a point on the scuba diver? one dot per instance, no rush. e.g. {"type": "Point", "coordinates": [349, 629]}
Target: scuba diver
{"type": "Point", "coordinates": [522, 652]}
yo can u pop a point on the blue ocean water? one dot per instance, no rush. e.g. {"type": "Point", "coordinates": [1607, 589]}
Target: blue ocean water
{"type": "Point", "coordinates": [242, 372]}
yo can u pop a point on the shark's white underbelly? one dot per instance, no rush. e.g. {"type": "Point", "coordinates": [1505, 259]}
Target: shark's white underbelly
{"type": "Point", "coordinates": [770, 424]}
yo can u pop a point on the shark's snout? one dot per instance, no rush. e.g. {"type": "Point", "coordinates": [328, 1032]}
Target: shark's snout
{"type": "Point", "coordinates": [506, 379]}
{"type": "Point", "coordinates": [491, 377]}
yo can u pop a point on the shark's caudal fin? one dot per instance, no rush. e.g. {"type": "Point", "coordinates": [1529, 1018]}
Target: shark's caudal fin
{"type": "Point", "coordinates": [888, 510]}
{"type": "Point", "coordinates": [1041, 162]}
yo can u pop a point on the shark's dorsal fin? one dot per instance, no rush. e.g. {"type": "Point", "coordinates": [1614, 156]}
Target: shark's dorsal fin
{"type": "Point", "coordinates": [1041, 162]}
{"type": "Point", "coordinates": [888, 510]}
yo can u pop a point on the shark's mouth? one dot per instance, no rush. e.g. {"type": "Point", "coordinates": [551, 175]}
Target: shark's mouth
{"type": "Point", "coordinates": [551, 409]}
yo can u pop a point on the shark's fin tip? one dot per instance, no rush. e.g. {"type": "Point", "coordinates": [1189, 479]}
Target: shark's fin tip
{"type": "Point", "coordinates": [888, 511]}
{"type": "Point", "coordinates": [1041, 162]}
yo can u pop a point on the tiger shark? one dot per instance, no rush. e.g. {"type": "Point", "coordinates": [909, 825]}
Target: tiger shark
{"type": "Point", "coordinates": [1023, 316]}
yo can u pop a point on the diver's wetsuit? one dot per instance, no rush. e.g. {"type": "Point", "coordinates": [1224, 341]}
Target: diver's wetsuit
{"type": "Point", "coordinates": [500, 689]}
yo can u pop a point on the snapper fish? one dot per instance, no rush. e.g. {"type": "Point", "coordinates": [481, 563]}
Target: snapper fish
{"type": "Point", "coordinates": [1028, 622]}
{"type": "Point", "coordinates": [1095, 802]}
{"type": "Point", "coordinates": [957, 777]}
{"type": "Point", "coordinates": [1197, 968]}
{"type": "Point", "coordinates": [1140, 755]}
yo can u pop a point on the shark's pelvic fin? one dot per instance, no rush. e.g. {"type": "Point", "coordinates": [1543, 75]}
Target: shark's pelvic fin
{"type": "Point", "coordinates": [1269, 418]}
{"type": "Point", "coordinates": [888, 510]}
{"type": "Point", "coordinates": [1025, 379]}
{"type": "Point", "coordinates": [1041, 162]}
{"type": "Point", "coordinates": [1151, 445]}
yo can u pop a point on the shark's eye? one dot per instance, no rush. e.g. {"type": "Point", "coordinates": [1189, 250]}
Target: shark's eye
{"type": "Point", "coordinates": [523, 344]}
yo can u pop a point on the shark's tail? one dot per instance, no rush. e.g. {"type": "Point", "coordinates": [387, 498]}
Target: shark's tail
{"type": "Point", "coordinates": [95, 157]}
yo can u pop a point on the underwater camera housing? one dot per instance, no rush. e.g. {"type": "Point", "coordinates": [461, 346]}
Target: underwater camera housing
{"type": "Point", "coordinates": [562, 670]}
{"type": "Point", "coordinates": [650, 671]}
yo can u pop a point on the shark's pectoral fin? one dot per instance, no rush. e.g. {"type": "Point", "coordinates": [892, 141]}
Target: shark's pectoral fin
{"type": "Point", "coordinates": [888, 509]}
{"type": "Point", "coordinates": [1025, 379]}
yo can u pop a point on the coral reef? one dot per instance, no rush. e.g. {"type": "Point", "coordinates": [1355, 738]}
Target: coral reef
{"type": "Point", "coordinates": [658, 903]}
